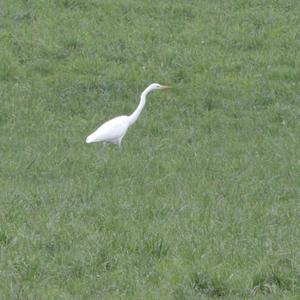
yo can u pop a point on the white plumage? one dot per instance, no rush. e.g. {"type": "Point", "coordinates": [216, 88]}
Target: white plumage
{"type": "Point", "coordinates": [114, 130]}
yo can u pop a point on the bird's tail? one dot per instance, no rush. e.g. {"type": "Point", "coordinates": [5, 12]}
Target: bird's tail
{"type": "Point", "coordinates": [89, 139]}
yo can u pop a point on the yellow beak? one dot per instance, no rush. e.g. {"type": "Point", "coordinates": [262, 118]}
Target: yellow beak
{"type": "Point", "coordinates": [164, 87]}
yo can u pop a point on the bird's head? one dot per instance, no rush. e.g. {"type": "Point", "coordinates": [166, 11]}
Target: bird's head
{"type": "Point", "coordinates": [157, 86]}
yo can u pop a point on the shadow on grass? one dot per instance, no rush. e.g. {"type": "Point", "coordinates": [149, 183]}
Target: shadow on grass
{"type": "Point", "coordinates": [279, 279]}
{"type": "Point", "coordinates": [209, 287]}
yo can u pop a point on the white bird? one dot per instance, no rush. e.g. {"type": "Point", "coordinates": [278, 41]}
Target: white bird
{"type": "Point", "coordinates": [114, 130]}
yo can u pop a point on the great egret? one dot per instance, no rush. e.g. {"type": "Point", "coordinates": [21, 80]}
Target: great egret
{"type": "Point", "coordinates": [114, 130]}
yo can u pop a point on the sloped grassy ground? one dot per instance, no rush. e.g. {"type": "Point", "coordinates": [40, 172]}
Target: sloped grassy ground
{"type": "Point", "coordinates": [202, 201]}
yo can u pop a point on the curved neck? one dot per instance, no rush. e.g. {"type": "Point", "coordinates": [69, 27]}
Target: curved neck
{"type": "Point", "coordinates": [134, 116]}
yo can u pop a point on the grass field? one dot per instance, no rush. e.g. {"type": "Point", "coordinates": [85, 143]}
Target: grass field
{"type": "Point", "coordinates": [201, 201]}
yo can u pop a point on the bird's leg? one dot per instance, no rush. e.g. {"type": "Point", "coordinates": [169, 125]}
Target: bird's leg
{"type": "Point", "coordinates": [104, 146]}
{"type": "Point", "coordinates": [120, 141]}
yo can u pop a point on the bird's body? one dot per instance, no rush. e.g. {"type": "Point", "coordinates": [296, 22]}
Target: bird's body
{"type": "Point", "coordinates": [114, 130]}
{"type": "Point", "coordinates": [111, 131]}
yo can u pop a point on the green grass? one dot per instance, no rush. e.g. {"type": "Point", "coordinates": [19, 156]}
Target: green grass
{"type": "Point", "coordinates": [202, 201]}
